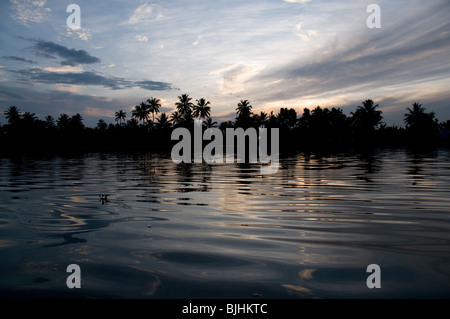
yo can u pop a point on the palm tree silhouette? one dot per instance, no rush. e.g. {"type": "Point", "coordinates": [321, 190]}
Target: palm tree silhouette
{"type": "Point", "coordinates": [244, 108]}
{"type": "Point", "coordinates": [163, 121]}
{"type": "Point", "coordinates": [63, 121]}
{"type": "Point", "coordinates": [76, 122]}
{"type": "Point", "coordinates": [420, 125]}
{"type": "Point", "coordinates": [141, 112]}
{"type": "Point", "coordinates": [132, 123]}
{"type": "Point", "coordinates": [415, 115]}
{"type": "Point", "coordinates": [244, 113]}
{"type": "Point", "coordinates": [120, 116]}
{"type": "Point", "coordinates": [136, 112]}
{"type": "Point", "coordinates": [202, 110]}
{"type": "Point", "coordinates": [367, 117]}
{"type": "Point", "coordinates": [176, 118]}
{"type": "Point", "coordinates": [29, 118]}
{"type": "Point", "coordinates": [184, 107]}
{"type": "Point", "coordinates": [49, 122]}
{"type": "Point", "coordinates": [101, 125]}
{"type": "Point", "coordinates": [12, 115]}
{"type": "Point", "coordinates": [287, 118]}
{"type": "Point", "coordinates": [209, 123]}
{"type": "Point", "coordinates": [153, 106]}
{"type": "Point", "coordinates": [261, 119]}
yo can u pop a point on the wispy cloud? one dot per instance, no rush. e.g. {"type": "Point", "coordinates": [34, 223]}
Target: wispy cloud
{"type": "Point", "coordinates": [19, 59]}
{"type": "Point", "coordinates": [80, 33]}
{"type": "Point", "coordinates": [2, 79]}
{"type": "Point", "coordinates": [297, 1]}
{"type": "Point", "coordinates": [153, 85]}
{"type": "Point", "coordinates": [70, 102]}
{"type": "Point", "coordinates": [68, 75]}
{"type": "Point", "coordinates": [27, 11]}
{"type": "Point", "coordinates": [408, 64]}
{"type": "Point", "coordinates": [140, 13]}
{"type": "Point", "coordinates": [64, 69]}
{"type": "Point", "coordinates": [70, 71]}
{"type": "Point", "coordinates": [275, 53]}
{"type": "Point", "coordinates": [307, 34]}
{"type": "Point", "coordinates": [142, 38]}
{"type": "Point", "coordinates": [144, 12]}
{"type": "Point", "coordinates": [70, 57]}
{"type": "Point", "coordinates": [233, 78]}
{"type": "Point", "coordinates": [196, 42]}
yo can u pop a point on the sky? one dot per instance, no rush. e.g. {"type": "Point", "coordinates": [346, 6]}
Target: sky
{"type": "Point", "coordinates": [274, 53]}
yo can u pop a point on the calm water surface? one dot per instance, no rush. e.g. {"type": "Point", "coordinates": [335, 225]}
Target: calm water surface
{"type": "Point", "coordinates": [225, 231]}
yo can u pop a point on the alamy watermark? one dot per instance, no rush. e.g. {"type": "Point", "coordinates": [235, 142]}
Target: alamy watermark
{"type": "Point", "coordinates": [73, 280]}
{"type": "Point", "coordinates": [74, 20]}
{"type": "Point", "coordinates": [374, 19]}
{"type": "Point", "coordinates": [374, 279]}
{"type": "Point", "coordinates": [257, 146]}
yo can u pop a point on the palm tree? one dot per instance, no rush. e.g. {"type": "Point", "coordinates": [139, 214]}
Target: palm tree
{"type": "Point", "coordinates": [287, 118]}
{"type": "Point", "coordinates": [421, 126]}
{"type": "Point", "coordinates": [29, 118]}
{"type": "Point", "coordinates": [176, 118]}
{"type": "Point", "coordinates": [63, 121]}
{"type": "Point", "coordinates": [263, 117]}
{"type": "Point", "coordinates": [49, 122]}
{"type": "Point", "coordinates": [136, 112]}
{"type": "Point", "coordinates": [202, 110]}
{"type": "Point", "coordinates": [141, 112]}
{"type": "Point", "coordinates": [208, 123]}
{"type": "Point", "coordinates": [184, 107]}
{"type": "Point", "coordinates": [13, 115]}
{"type": "Point", "coordinates": [244, 113]}
{"type": "Point", "coordinates": [101, 125]}
{"type": "Point", "coordinates": [120, 116]}
{"type": "Point", "coordinates": [163, 121]}
{"type": "Point", "coordinates": [76, 123]}
{"type": "Point", "coordinates": [153, 106]}
{"type": "Point", "coordinates": [414, 115]}
{"type": "Point", "coordinates": [132, 123]}
{"type": "Point", "coordinates": [244, 108]}
{"type": "Point", "coordinates": [367, 117]}
{"type": "Point", "coordinates": [29, 122]}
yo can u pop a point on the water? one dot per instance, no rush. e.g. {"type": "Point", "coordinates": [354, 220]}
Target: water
{"type": "Point", "coordinates": [225, 231]}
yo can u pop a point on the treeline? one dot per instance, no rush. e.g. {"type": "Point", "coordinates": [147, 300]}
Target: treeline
{"type": "Point", "coordinates": [148, 128]}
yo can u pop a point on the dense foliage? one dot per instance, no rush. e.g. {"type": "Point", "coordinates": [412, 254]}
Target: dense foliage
{"type": "Point", "coordinates": [148, 128]}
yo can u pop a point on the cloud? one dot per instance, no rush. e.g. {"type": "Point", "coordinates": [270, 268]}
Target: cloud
{"type": "Point", "coordinates": [37, 75]}
{"type": "Point", "coordinates": [381, 61]}
{"type": "Point", "coordinates": [142, 38]}
{"type": "Point", "coordinates": [308, 33]}
{"type": "Point", "coordinates": [143, 13]}
{"type": "Point", "coordinates": [68, 75]}
{"type": "Point", "coordinates": [235, 77]}
{"type": "Point", "coordinates": [297, 1]}
{"type": "Point", "coordinates": [70, 71]}
{"type": "Point", "coordinates": [64, 69]}
{"type": "Point", "coordinates": [27, 11]}
{"type": "Point", "coordinates": [10, 94]}
{"type": "Point", "coordinates": [56, 102]}
{"type": "Point", "coordinates": [97, 112]}
{"type": "Point", "coordinates": [2, 79]}
{"type": "Point", "coordinates": [154, 86]}
{"type": "Point", "coordinates": [70, 57]}
{"type": "Point", "coordinates": [196, 42]}
{"type": "Point", "coordinates": [18, 59]}
{"type": "Point", "coordinates": [81, 33]}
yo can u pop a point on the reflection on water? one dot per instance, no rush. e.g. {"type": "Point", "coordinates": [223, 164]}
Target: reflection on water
{"type": "Point", "coordinates": [226, 231]}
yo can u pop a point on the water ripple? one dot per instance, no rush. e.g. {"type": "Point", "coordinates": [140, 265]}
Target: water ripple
{"type": "Point", "coordinates": [308, 231]}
